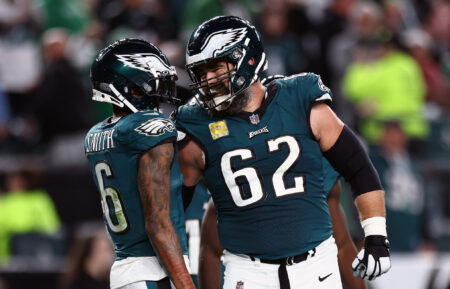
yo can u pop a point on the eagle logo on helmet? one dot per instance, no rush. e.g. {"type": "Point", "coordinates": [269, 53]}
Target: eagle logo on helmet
{"type": "Point", "coordinates": [155, 127]}
{"type": "Point", "coordinates": [147, 62]}
{"type": "Point", "coordinates": [222, 40]}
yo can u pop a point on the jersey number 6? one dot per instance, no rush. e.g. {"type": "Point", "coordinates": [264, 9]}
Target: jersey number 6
{"type": "Point", "coordinates": [115, 216]}
{"type": "Point", "coordinates": [252, 174]}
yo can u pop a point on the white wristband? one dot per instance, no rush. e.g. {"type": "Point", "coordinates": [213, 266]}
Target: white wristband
{"type": "Point", "coordinates": [374, 226]}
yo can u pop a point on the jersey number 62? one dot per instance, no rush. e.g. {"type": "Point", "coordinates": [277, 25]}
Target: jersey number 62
{"type": "Point", "coordinates": [251, 173]}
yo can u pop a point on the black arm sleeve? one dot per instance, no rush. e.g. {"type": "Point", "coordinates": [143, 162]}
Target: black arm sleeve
{"type": "Point", "coordinates": [349, 158]}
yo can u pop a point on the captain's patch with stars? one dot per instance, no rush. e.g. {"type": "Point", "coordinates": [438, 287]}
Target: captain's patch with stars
{"type": "Point", "coordinates": [155, 127]}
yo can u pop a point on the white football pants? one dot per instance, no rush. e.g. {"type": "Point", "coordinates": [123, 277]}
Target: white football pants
{"type": "Point", "coordinates": [318, 271]}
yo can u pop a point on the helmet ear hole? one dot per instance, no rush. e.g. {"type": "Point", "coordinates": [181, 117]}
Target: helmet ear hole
{"type": "Point", "coordinates": [136, 92]}
{"type": "Point", "coordinates": [236, 54]}
{"type": "Point", "coordinates": [240, 81]}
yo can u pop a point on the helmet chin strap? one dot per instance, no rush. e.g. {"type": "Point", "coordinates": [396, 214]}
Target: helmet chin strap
{"type": "Point", "coordinates": [122, 99]}
{"type": "Point", "coordinates": [221, 102]}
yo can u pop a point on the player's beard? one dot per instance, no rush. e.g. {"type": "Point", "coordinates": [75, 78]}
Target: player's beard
{"type": "Point", "coordinates": [239, 101]}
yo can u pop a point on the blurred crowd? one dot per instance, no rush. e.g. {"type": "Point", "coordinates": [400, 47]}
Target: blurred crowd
{"type": "Point", "coordinates": [387, 63]}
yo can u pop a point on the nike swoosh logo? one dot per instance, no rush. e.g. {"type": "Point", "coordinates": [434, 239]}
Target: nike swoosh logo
{"type": "Point", "coordinates": [323, 278]}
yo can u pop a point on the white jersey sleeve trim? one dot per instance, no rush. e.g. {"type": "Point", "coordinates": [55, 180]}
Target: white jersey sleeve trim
{"type": "Point", "coordinates": [326, 96]}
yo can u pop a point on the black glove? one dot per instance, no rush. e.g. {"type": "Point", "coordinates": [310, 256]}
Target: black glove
{"type": "Point", "coordinates": [374, 259]}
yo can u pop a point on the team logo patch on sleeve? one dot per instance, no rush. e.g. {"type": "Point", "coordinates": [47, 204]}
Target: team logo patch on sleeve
{"type": "Point", "coordinates": [322, 86]}
{"type": "Point", "coordinates": [155, 127]}
{"type": "Point", "coordinates": [218, 129]}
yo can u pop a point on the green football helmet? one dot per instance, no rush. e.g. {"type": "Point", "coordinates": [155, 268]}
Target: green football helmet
{"type": "Point", "coordinates": [233, 40]}
{"type": "Point", "coordinates": [135, 74]}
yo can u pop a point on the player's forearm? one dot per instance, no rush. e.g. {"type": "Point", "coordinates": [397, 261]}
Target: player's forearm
{"type": "Point", "coordinates": [374, 258]}
{"type": "Point", "coordinates": [209, 275]}
{"type": "Point", "coordinates": [209, 271]}
{"type": "Point", "coordinates": [371, 204]}
{"type": "Point", "coordinates": [166, 243]}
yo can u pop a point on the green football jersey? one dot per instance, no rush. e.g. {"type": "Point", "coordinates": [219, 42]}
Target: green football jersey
{"type": "Point", "coordinates": [265, 170]}
{"type": "Point", "coordinates": [113, 150]}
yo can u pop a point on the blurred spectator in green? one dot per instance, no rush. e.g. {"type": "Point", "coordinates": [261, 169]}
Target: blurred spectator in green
{"type": "Point", "coordinates": [420, 45]}
{"type": "Point", "coordinates": [90, 258]}
{"type": "Point", "coordinates": [404, 187]}
{"type": "Point", "coordinates": [24, 208]}
{"type": "Point", "coordinates": [391, 87]}
{"type": "Point", "coordinates": [197, 11]}
{"type": "Point", "coordinates": [69, 14]}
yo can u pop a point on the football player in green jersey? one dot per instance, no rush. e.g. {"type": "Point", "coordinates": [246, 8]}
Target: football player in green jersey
{"type": "Point", "coordinates": [133, 158]}
{"type": "Point", "coordinates": [259, 149]}
{"type": "Point", "coordinates": [211, 272]}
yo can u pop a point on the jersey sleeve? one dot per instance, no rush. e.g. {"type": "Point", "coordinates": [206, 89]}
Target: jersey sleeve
{"type": "Point", "coordinates": [185, 121]}
{"type": "Point", "coordinates": [147, 131]}
{"type": "Point", "coordinates": [303, 91]}
{"type": "Point", "coordinates": [190, 121]}
{"type": "Point", "coordinates": [314, 90]}
{"type": "Point", "coordinates": [182, 118]}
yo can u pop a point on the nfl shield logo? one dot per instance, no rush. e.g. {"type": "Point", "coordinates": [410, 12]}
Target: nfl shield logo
{"type": "Point", "coordinates": [240, 285]}
{"type": "Point", "coordinates": [254, 119]}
